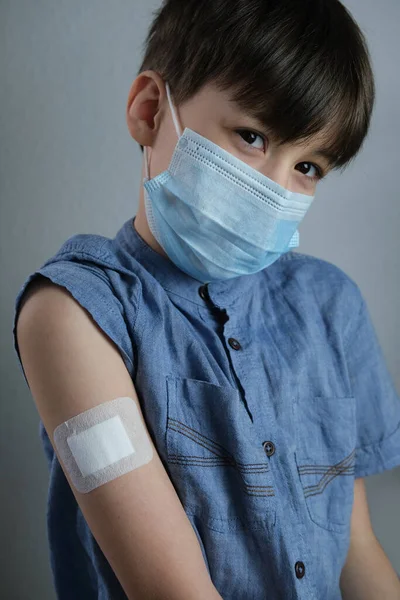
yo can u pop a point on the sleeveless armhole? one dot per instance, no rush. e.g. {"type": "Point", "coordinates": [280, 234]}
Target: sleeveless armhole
{"type": "Point", "coordinates": [90, 286]}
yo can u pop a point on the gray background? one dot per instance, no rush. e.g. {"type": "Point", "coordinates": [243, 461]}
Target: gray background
{"type": "Point", "coordinates": [68, 165]}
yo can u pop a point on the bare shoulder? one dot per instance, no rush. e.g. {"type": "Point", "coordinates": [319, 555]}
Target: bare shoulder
{"type": "Point", "coordinates": [40, 291]}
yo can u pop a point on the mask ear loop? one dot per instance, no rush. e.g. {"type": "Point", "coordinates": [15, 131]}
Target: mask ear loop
{"type": "Point", "coordinates": [171, 105]}
{"type": "Point", "coordinates": [177, 129]}
{"type": "Point", "coordinates": [146, 165]}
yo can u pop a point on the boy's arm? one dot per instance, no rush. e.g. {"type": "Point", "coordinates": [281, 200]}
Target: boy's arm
{"type": "Point", "coordinates": [137, 519]}
{"type": "Point", "coordinates": [367, 573]}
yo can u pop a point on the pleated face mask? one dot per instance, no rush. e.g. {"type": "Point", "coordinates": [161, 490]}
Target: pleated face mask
{"type": "Point", "coordinates": [215, 216]}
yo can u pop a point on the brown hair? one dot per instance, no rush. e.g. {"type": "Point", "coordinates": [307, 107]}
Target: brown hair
{"type": "Point", "coordinates": [300, 67]}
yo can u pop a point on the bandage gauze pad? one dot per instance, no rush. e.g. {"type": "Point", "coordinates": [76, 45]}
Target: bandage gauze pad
{"type": "Point", "coordinates": [103, 443]}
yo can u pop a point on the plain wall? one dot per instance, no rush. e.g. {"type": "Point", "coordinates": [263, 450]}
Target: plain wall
{"type": "Point", "coordinates": [68, 165]}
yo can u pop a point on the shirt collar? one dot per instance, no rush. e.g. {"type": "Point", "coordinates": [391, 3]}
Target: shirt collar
{"type": "Point", "coordinates": [173, 279]}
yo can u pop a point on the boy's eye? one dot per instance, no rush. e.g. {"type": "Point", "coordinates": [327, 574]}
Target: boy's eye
{"type": "Point", "coordinates": [258, 142]}
{"type": "Point", "coordinates": [250, 137]}
{"type": "Point", "coordinates": [309, 170]}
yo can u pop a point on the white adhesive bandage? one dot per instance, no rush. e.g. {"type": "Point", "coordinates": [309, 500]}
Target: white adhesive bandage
{"type": "Point", "coordinates": [103, 443]}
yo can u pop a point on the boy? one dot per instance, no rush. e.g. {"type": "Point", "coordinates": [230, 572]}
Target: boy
{"type": "Point", "coordinates": [255, 371]}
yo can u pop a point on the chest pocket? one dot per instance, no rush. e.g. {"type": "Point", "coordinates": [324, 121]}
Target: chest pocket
{"type": "Point", "coordinates": [325, 458]}
{"type": "Point", "coordinates": [218, 467]}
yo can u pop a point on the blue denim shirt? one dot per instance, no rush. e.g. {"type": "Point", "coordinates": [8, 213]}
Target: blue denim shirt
{"type": "Point", "coordinates": [265, 395]}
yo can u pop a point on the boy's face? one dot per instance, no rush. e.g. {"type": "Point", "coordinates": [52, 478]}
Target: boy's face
{"type": "Point", "coordinates": [211, 113]}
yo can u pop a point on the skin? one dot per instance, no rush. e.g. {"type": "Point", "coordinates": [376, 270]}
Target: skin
{"type": "Point", "coordinates": [212, 114]}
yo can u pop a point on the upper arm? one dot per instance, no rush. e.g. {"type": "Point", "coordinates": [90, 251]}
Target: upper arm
{"type": "Point", "coordinates": [360, 518]}
{"type": "Point", "coordinates": [367, 573]}
{"type": "Point", "coordinates": [137, 519]}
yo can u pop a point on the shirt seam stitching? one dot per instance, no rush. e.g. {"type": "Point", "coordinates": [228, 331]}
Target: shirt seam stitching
{"type": "Point", "coordinates": [378, 443]}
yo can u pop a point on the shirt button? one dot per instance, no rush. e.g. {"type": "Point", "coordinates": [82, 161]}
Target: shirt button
{"type": "Point", "coordinates": [234, 344]}
{"type": "Point", "coordinates": [203, 292]}
{"type": "Point", "coordinates": [300, 569]}
{"type": "Point", "coordinates": [269, 448]}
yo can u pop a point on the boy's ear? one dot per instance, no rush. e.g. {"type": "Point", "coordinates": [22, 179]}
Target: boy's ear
{"type": "Point", "coordinates": [145, 107]}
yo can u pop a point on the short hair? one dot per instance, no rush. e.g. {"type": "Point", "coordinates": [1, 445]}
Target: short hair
{"type": "Point", "coordinates": [301, 67]}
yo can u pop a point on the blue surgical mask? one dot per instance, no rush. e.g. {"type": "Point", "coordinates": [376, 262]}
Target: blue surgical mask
{"type": "Point", "coordinates": [215, 216]}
